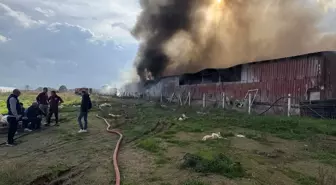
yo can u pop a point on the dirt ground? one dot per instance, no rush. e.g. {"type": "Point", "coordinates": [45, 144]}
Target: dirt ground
{"type": "Point", "coordinates": [58, 155]}
{"type": "Point", "coordinates": [277, 151]}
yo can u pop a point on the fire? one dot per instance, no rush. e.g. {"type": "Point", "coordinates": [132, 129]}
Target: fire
{"type": "Point", "coordinates": [223, 33]}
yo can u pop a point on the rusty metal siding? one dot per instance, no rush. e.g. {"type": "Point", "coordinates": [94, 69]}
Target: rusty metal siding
{"type": "Point", "coordinates": [278, 78]}
{"type": "Point", "coordinates": [329, 76]}
{"type": "Point", "coordinates": [273, 79]}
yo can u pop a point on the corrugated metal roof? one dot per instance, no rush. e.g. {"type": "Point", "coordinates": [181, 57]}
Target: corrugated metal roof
{"type": "Point", "coordinates": [269, 61]}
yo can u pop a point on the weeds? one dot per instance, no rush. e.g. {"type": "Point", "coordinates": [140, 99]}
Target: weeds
{"type": "Point", "coordinates": [322, 149]}
{"type": "Point", "coordinates": [301, 178]}
{"type": "Point", "coordinates": [153, 145]}
{"type": "Point", "coordinates": [216, 163]}
{"type": "Point", "coordinates": [194, 182]}
{"type": "Point", "coordinates": [326, 177]}
{"type": "Point", "coordinates": [260, 137]}
{"type": "Point", "coordinates": [178, 142]}
{"type": "Point", "coordinates": [162, 160]}
{"type": "Point", "coordinates": [9, 176]}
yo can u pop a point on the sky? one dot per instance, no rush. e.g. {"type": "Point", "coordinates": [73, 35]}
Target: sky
{"type": "Point", "coordinates": [77, 43]}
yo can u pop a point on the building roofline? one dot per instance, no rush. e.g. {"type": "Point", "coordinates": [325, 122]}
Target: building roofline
{"type": "Point", "coordinates": [266, 61]}
{"type": "Point", "coordinates": [253, 62]}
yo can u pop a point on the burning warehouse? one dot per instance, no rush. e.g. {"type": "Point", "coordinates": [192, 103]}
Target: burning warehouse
{"type": "Point", "coordinates": [305, 77]}
{"type": "Point", "coordinates": [220, 38]}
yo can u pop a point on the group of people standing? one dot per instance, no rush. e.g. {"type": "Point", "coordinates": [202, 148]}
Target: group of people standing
{"type": "Point", "coordinates": [45, 106]}
{"type": "Point", "coordinates": [49, 105]}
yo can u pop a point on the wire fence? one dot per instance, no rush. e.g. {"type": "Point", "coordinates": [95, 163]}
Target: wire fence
{"type": "Point", "coordinates": [284, 106]}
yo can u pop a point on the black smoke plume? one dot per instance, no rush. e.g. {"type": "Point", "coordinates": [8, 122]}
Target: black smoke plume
{"type": "Point", "coordinates": [157, 23]}
{"type": "Point", "coordinates": [178, 36]}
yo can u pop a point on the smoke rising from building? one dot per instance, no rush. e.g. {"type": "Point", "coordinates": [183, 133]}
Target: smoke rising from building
{"type": "Point", "coordinates": [181, 36]}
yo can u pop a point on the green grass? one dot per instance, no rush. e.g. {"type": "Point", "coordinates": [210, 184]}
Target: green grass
{"type": "Point", "coordinates": [9, 176]}
{"type": "Point", "coordinates": [153, 145]}
{"type": "Point", "coordinates": [260, 137]}
{"type": "Point", "coordinates": [194, 182]}
{"type": "Point", "coordinates": [300, 178]}
{"type": "Point", "coordinates": [283, 127]}
{"type": "Point", "coordinates": [208, 157]}
{"type": "Point", "coordinates": [146, 115]}
{"type": "Point", "coordinates": [57, 169]}
{"type": "Point", "coordinates": [216, 163]}
{"type": "Point", "coordinates": [218, 157]}
{"type": "Point", "coordinates": [162, 160]}
{"type": "Point", "coordinates": [322, 150]}
{"type": "Point", "coordinates": [27, 98]}
{"type": "Point", "coordinates": [143, 116]}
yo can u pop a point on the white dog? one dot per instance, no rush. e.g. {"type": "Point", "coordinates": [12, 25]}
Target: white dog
{"type": "Point", "coordinates": [184, 117]}
{"type": "Point", "coordinates": [212, 136]}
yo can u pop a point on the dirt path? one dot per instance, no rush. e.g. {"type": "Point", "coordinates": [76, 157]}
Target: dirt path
{"type": "Point", "coordinates": [59, 155]}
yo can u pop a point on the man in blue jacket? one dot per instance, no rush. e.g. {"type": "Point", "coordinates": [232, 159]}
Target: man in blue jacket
{"type": "Point", "coordinates": [14, 115]}
{"type": "Point", "coordinates": [86, 105]}
{"type": "Point", "coordinates": [34, 116]}
{"type": "Point", "coordinates": [24, 119]}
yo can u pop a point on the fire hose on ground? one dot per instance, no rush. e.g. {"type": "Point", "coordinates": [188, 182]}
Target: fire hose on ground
{"type": "Point", "coordinates": [116, 150]}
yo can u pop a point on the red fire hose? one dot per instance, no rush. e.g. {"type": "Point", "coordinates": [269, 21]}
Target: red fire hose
{"type": "Point", "coordinates": [116, 150]}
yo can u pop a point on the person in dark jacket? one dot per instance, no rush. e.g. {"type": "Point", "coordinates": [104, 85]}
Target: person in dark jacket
{"type": "Point", "coordinates": [34, 116]}
{"type": "Point", "coordinates": [24, 119]}
{"type": "Point", "coordinates": [14, 115]}
{"type": "Point", "coordinates": [42, 100]}
{"type": "Point", "coordinates": [54, 101]}
{"type": "Point", "coordinates": [85, 106]}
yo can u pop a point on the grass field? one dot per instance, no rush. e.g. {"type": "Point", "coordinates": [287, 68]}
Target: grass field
{"type": "Point", "coordinates": [27, 98]}
{"type": "Point", "coordinates": [158, 149]}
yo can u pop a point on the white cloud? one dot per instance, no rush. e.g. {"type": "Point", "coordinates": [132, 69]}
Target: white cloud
{"type": "Point", "coordinates": [98, 15]}
{"type": "Point", "coordinates": [3, 39]}
{"type": "Point", "coordinates": [45, 12]}
{"type": "Point", "coordinates": [68, 42]}
{"type": "Point", "coordinates": [20, 17]}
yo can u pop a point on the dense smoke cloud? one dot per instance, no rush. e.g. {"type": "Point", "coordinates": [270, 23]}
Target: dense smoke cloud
{"type": "Point", "coordinates": [179, 36]}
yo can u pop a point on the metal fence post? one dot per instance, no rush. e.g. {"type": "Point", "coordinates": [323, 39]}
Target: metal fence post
{"type": "Point", "coordinates": [180, 100]}
{"type": "Point", "coordinates": [223, 98]}
{"type": "Point", "coordinates": [249, 103]}
{"type": "Point", "coordinates": [161, 98]}
{"type": "Point", "coordinates": [203, 100]}
{"type": "Point", "coordinates": [189, 96]}
{"type": "Point", "coordinates": [289, 105]}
